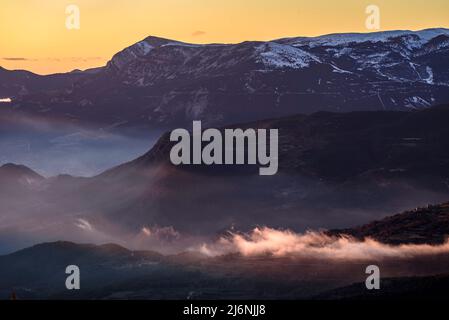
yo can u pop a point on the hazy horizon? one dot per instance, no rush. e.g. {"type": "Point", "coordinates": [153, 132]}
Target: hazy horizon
{"type": "Point", "coordinates": [37, 39]}
{"type": "Point", "coordinates": [18, 60]}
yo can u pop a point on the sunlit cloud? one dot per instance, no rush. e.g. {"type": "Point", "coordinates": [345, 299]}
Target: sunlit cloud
{"type": "Point", "coordinates": [15, 59]}
{"type": "Point", "coordinates": [161, 233]}
{"type": "Point", "coordinates": [285, 243]}
{"type": "Point", "coordinates": [84, 224]}
{"type": "Point", "coordinates": [198, 33]}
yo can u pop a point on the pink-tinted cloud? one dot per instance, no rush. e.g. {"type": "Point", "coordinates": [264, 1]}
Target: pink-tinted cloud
{"type": "Point", "coordinates": [285, 243]}
{"type": "Point", "coordinates": [198, 33]}
{"type": "Point", "coordinates": [15, 59]}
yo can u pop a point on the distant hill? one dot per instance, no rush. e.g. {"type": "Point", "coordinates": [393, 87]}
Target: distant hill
{"type": "Point", "coordinates": [112, 272]}
{"type": "Point", "coordinates": [18, 178]}
{"type": "Point", "coordinates": [13, 171]}
{"type": "Point", "coordinates": [39, 271]}
{"type": "Point", "coordinates": [17, 83]}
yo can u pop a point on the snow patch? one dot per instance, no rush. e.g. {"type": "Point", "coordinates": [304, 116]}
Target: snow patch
{"type": "Point", "coordinates": [144, 47]}
{"type": "Point", "coordinates": [84, 224]}
{"type": "Point", "coordinates": [138, 50]}
{"type": "Point", "coordinates": [429, 79]}
{"type": "Point", "coordinates": [415, 39]}
{"type": "Point", "coordinates": [182, 44]}
{"type": "Point", "coordinates": [416, 102]}
{"type": "Point", "coordinates": [338, 70]}
{"type": "Point", "coordinates": [280, 56]}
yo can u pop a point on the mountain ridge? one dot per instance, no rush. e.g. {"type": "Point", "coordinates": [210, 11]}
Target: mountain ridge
{"type": "Point", "coordinates": [165, 83]}
{"type": "Point", "coordinates": [427, 225]}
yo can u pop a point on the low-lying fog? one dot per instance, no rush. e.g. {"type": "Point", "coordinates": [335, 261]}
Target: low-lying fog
{"type": "Point", "coordinates": [171, 211]}
{"type": "Point", "coordinates": [75, 151]}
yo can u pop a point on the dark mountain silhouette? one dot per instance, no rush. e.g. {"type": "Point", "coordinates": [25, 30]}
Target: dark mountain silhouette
{"type": "Point", "coordinates": [39, 271]}
{"type": "Point", "coordinates": [336, 170]}
{"type": "Point", "coordinates": [376, 158]}
{"type": "Point", "coordinates": [112, 272]}
{"type": "Point", "coordinates": [17, 83]}
{"type": "Point", "coordinates": [17, 172]}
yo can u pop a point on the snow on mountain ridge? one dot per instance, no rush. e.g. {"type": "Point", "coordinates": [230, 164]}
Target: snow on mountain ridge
{"type": "Point", "coordinates": [284, 56]}
{"type": "Point", "coordinates": [284, 53]}
{"type": "Point", "coordinates": [399, 56]}
{"type": "Point", "coordinates": [137, 50]}
{"type": "Point", "coordinates": [337, 39]}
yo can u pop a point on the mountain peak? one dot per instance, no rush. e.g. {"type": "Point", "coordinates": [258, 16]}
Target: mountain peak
{"type": "Point", "coordinates": [18, 169]}
{"type": "Point", "coordinates": [141, 49]}
{"type": "Point", "coordinates": [18, 173]}
{"type": "Point", "coordinates": [158, 41]}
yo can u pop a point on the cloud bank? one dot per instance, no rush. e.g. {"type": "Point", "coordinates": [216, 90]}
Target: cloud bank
{"type": "Point", "coordinates": [285, 243]}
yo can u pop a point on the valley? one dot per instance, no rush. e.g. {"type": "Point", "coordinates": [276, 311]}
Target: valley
{"type": "Point", "coordinates": [360, 122]}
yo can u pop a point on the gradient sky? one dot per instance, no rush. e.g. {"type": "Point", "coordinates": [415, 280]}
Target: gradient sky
{"type": "Point", "coordinates": [33, 35]}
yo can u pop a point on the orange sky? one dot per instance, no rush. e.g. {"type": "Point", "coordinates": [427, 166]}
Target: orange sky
{"type": "Point", "coordinates": [33, 35]}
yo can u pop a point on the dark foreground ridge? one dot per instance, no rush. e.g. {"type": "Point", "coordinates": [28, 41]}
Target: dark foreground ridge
{"type": "Point", "coordinates": [429, 225]}
{"type": "Point", "coordinates": [113, 272]}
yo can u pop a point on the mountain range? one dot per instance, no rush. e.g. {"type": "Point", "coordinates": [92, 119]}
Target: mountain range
{"type": "Point", "coordinates": [166, 83]}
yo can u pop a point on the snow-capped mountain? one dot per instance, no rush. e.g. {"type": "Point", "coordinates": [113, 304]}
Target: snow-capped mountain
{"type": "Point", "coordinates": [419, 37]}
{"type": "Point", "coordinates": [371, 52]}
{"type": "Point", "coordinates": [161, 82]}
{"type": "Point", "coordinates": [382, 52]}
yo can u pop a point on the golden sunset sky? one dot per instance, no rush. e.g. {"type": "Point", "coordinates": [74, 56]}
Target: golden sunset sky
{"type": "Point", "coordinates": [33, 35]}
